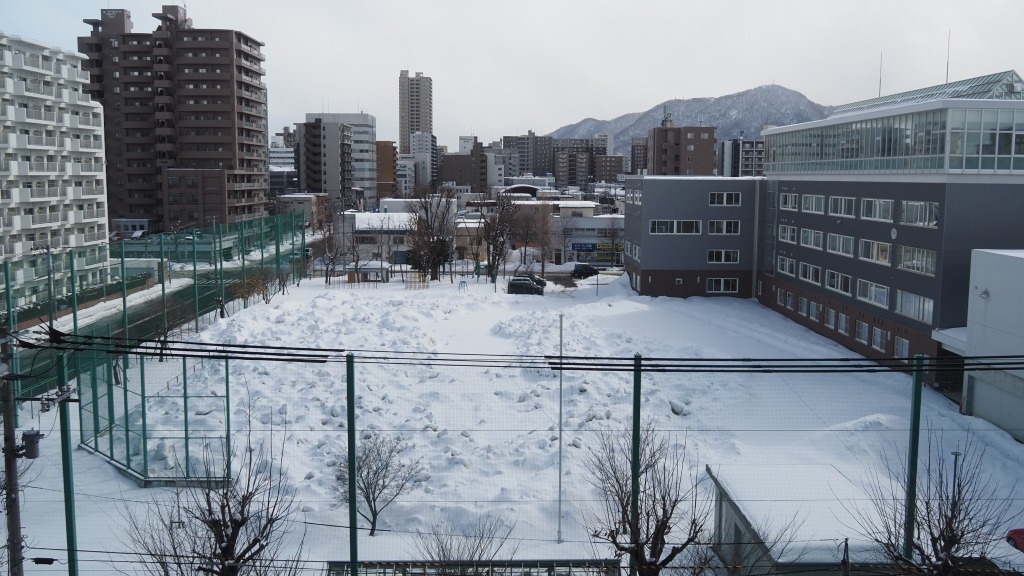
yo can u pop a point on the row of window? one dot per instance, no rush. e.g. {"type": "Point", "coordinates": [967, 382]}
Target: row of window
{"type": "Point", "coordinates": [912, 213]}
{"type": "Point", "coordinates": [694, 227]}
{"type": "Point", "coordinates": [910, 258]}
{"type": "Point", "coordinates": [714, 198]}
{"type": "Point", "coordinates": [840, 322]}
{"type": "Point", "coordinates": [908, 304]}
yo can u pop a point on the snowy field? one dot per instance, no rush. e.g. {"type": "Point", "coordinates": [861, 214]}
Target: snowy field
{"type": "Point", "coordinates": [488, 435]}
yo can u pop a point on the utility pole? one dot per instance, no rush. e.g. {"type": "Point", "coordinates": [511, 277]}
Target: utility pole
{"type": "Point", "coordinates": [14, 550]}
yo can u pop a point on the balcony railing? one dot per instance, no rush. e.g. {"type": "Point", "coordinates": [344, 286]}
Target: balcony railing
{"type": "Point", "coordinates": [43, 167]}
{"type": "Point", "coordinates": [40, 193]}
{"type": "Point", "coordinates": [51, 218]}
{"type": "Point", "coordinates": [38, 89]}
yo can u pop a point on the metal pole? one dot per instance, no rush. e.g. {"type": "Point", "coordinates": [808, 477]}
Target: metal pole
{"type": "Point", "coordinates": [560, 370]}
{"type": "Point", "coordinates": [66, 466]}
{"type": "Point", "coordinates": [915, 438]}
{"type": "Point", "coordinates": [74, 293]}
{"type": "Point", "coordinates": [49, 283]}
{"type": "Point", "coordinates": [353, 517]}
{"type": "Point", "coordinates": [15, 552]}
{"type": "Point", "coordinates": [634, 493]}
{"type": "Point", "coordinates": [165, 272]}
{"type": "Point", "coordinates": [195, 275]}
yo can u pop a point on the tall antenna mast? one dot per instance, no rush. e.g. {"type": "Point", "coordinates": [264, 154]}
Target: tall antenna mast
{"type": "Point", "coordinates": [880, 54]}
{"type": "Point", "coordinates": [949, 35]}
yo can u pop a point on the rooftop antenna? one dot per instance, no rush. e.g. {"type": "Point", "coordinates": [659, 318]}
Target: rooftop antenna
{"type": "Point", "coordinates": [949, 35]}
{"type": "Point", "coordinates": [880, 54]}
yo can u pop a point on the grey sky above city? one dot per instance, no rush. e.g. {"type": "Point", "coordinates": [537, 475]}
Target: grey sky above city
{"type": "Point", "coordinates": [502, 68]}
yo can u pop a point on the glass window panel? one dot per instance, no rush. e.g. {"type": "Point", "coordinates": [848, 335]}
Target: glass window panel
{"type": "Point", "coordinates": [1018, 120]}
{"type": "Point", "coordinates": [957, 162]}
{"type": "Point", "coordinates": [990, 120]}
{"type": "Point", "coordinates": [1018, 144]}
{"type": "Point", "coordinates": [988, 143]}
{"type": "Point", "coordinates": [1003, 162]}
{"type": "Point", "coordinates": [973, 120]}
{"type": "Point", "coordinates": [1006, 120]}
{"type": "Point", "coordinates": [988, 162]}
{"type": "Point", "coordinates": [958, 142]}
{"type": "Point", "coordinates": [973, 143]}
{"type": "Point", "coordinates": [971, 162]}
{"type": "Point", "coordinates": [957, 119]}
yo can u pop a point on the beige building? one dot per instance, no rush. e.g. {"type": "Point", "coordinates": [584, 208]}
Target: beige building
{"type": "Point", "coordinates": [182, 104]}
{"type": "Point", "coordinates": [415, 108]}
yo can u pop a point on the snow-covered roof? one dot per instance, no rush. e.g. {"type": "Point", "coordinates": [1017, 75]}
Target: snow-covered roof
{"type": "Point", "coordinates": [823, 502]}
{"type": "Point", "coordinates": [381, 220]}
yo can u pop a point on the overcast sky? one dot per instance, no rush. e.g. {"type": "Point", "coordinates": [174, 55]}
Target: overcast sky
{"type": "Point", "coordinates": [502, 68]}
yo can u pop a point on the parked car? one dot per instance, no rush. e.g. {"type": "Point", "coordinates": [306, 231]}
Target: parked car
{"type": "Point", "coordinates": [1015, 538]}
{"type": "Point", "coordinates": [523, 285]}
{"type": "Point", "coordinates": [536, 279]}
{"type": "Point", "coordinates": [583, 271]}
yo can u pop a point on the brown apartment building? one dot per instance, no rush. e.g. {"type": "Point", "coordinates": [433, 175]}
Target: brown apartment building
{"type": "Point", "coordinates": [185, 120]}
{"type": "Point", "coordinates": [681, 151]}
{"type": "Point", "coordinates": [387, 169]}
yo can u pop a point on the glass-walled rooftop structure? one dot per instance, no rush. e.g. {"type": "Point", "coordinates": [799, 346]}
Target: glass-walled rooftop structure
{"type": "Point", "coordinates": [974, 125]}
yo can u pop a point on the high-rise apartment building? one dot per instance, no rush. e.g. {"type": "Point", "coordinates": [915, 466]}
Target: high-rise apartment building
{"type": "Point", "coordinates": [415, 108]}
{"type": "Point", "coordinates": [681, 150]}
{"type": "Point", "coordinates": [387, 165]}
{"type": "Point", "coordinates": [363, 128]}
{"type": "Point", "coordinates": [52, 186]}
{"type": "Point", "coordinates": [741, 157]}
{"type": "Point", "coordinates": [423, 146]}
{"type": "Point", "coordinates": [532, 154]}
{"type": "Point", "coordinates": [324, 161]}
{"type": "Point", "coordinates": [186, 120]}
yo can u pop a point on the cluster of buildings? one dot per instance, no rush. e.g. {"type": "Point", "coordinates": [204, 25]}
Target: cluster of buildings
{"type": "Point", "coordinates": [864, 226]}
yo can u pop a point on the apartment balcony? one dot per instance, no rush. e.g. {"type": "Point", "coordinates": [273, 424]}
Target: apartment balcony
{"type": "Point", "coordinates": [27, 115]}
{"type": "Point", "coordinates": [42, 167]}
{"type": "Point", "coordinates": [85, 192]}
{"type": "Point", "coordinates": [37, 194]}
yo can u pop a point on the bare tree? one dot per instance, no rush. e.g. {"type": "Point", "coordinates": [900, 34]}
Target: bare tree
{"type": "Point", "coordinates": [961, 510]}
{"type": "Point", "coordinates": [531, 228]}
{"type": "Point", "coordinates": [479, 540]}
{"type": "Point", "coordinates": [227, 527]}
{"type": "Point", "coordinates": [432, 229]}
{"type": "Point", "coordinates": [381, 474]}
{"type": "Point", "coordinates": [565, 228]}
{"type": "Point", "coordinates": [670, 500]}
{"type": "Point", "coordinates": [497, 230]}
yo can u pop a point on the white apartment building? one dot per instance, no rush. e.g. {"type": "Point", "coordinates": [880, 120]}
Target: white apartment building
{"type": "Point", "coordinates": [52, 182]}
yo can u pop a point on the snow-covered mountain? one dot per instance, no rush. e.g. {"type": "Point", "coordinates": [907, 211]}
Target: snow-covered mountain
{"type": "Point", "coordinates": [748, 111]}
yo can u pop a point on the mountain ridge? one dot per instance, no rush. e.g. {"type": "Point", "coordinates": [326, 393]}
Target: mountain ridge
{"type": "Point", "coordinates": [747, 112]}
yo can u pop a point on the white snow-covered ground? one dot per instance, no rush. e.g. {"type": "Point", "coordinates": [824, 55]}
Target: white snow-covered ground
{"type": "Point", "coordinates": [488, 435]}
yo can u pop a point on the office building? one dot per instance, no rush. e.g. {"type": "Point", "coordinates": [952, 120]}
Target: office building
{"type": "Point", "coordinates": [183, 105]}
{"type": "Point", "coordinates": [638, 156]}
{"type": "Point", "coordinates": [871, 214]}
{"type": "Point", "coordinates": [52, 185]}
{"type": "Point", "coordinates": [415, 108]}
{"type": "Point", "coordinates": [423, 146]}
{"type": "Point", "coordinates": [691, 236]}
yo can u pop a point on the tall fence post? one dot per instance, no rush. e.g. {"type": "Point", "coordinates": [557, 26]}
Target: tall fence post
{"type": "Point", "coordinates": [66, 465]}
{"type": "Point", "coordinates": [353, 515]}
{"type": "Point", "coordinates": [915, 436]}
{"type": "Point", "coordinates": [634, 493]}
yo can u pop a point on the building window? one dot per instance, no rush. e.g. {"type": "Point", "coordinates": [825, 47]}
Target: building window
{"type": "Point", "coordinates": [675, 226]}
{"type": "Point", "coordinates": [812, 203]}
{"type": "Point", "coordinates": [811, 238]}
{"type": "Point", "coordinates": [723, 256]}
{"type": "Point", "coordinates": [830, 318]}
{"type": "Point", "coordinates": [914, 306]}
{"type": "Point", "coordinates": [780, 297]}
{"type": "Point", "coordinates": [787, 233]}
{"type": "Point", "coordinates": [862, 332]}
{"type": "Point", "coordinates": [843, 325]}
{"type": "Point", "coordinates": [916, 260]}
{"type": "Point", "coordinates": [839, 244]}
{"type": "Point", "coordinates": [789, 201]}
{"type": "Point", "coordinates": [810, 273]}
{"type": "Point", "coordinates": [901, 349]}
{"type": "Point", "coordinates": [787, 266]}
{"type": "Point", "coordinates": [872, 293]}
{"type": "Point", "coordinates": [876, 209]}
{"type": "Point", "coordinates": [815, 312]}
{"type": "Point", "coordinates": [837, 281]}
{"type": "Point", "coordinates": [723, 226]}
{"type": "Point", "coordinates": [915, 213]}
{"type": "Point", "coordinates": [841, 206]}
{"type": "Point", "coordinates": [724, 199]}
{"type": "Point", "coordinates": [803, 307]}
{"type": "Point", "coordinates": [878, 338]}
{"type": "Point", "coordinates": [789, 300]}
{"type": "Point", "coordinates": [723, 285]}
{"type": "Point", "coordinates": [872, 251]}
